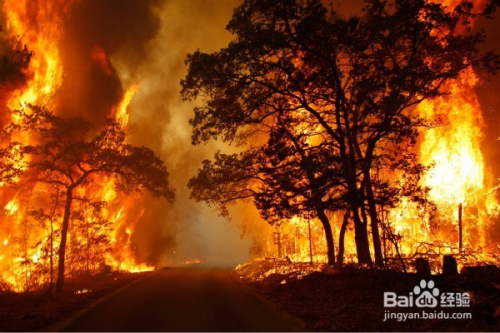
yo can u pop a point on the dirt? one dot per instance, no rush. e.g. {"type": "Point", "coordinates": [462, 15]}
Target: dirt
{"type": "Point", "coordinates": [39, 310]}
{"type": "Point", "coordinates": [352, 299]}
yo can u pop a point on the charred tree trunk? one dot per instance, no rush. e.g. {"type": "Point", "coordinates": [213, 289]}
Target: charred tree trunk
{"type": "Point", "coordinates": [355, 197]}
{"type": "Point", "coordinates": [317, 204]}
{"type": "Point", "coordinates": [328, 235]}
{"type": "Point", "coordinates": [343, 228]}
{"type": "Point", "coordinates": [88, 252]}
{"type": "Point", "coordinates": [64, 237]}
{"type": "Point", "coordinates": [361, 239]}
{"type": "Point", "coordinates": [356, 200]}
{"type": "Point", "coordinates": [372, 210]}
{"type": "Point", "coordinates": [53, 213]}
{"type": "Point", "coordinates": [25, 259]}
{"type": "Point", "coordinates": [51, 285]}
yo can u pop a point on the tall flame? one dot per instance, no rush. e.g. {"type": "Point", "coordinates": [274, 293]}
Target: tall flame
{"type": "Point", "coordinates": [37, 24]}
{"type": "Point", "coordinates": [457, 178]}
{"type": "Point", "coordinates": [458, 174]}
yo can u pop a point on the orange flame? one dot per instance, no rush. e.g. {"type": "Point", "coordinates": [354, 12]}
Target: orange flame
{"type": "Point", "coordinates": [23, 261]}
{"type": "Point", "coordinates": [38, 26]}
{"type": "Point", "coordinates": [458, 173]}
{"type": "Point", "coordinates": [458, 176]}
{"type": "Point", "coordinates": [121, 111]}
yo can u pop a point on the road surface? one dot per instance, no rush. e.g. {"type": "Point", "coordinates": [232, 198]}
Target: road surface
{"type": "Point", "coordinates": [183, 299]}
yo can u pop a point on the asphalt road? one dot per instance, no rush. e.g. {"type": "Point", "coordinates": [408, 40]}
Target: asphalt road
{"type": "Point", "coordinates": [183, 299]}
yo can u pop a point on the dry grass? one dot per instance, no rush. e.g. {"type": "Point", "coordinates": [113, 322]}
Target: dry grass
{"type": "Point", "coordinates": [352, 300]}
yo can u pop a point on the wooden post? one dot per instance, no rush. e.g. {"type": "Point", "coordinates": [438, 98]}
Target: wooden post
{"type": "Point", "coordinates": [460, 228]}
{"type": "Point", "coordinates": [277, 241]}
{"type": "Point", "coordinates": [423, 267]}
{"type": "Point", "coordinates": [450, 267]}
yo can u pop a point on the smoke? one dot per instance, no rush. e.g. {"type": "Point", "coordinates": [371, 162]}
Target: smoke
{"type": "Point", "coordinates": [108, 46]}
{"type": "Point", "coordinates": [93, 30]}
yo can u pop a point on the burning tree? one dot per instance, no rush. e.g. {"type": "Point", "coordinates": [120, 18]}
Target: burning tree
{"type": "Point", "coordinates": [12, 63]}
{"type": "Point", "coordinates": [286, 177]}
{"type": "Point", "coordinates": [69, 154]}
{"type": "Point", "coordinates": [356, 81]}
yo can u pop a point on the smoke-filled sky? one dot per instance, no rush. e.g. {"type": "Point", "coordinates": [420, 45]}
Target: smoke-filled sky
{"type": "Point", "coordinates": [145, 42]}
{"type": "Point", "coordinates": [148, 44]}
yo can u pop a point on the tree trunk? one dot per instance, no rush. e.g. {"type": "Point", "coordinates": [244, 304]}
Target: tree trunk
{"type": "Point", "coordinates": [88, 252]}
{"type": "Point", "coordinates": [328, 235]}
{"type": "Point", "coordinates": [53, 213]}
{"type": "Point", "coordinates": [372, 210]}
{"type": "Point", "coordinates": [361, 239]}
{"type": "Point", "coordinates": [310, 242]}
{"type": "Point", "coordinates": [356, 198]}
{"type": "Point", "coordinates": [51, 285]}
{"type": "Point", "coordinates": [25, 259]}
{"type": "Point", "coordinates": [64, 237]}
{"type": "Point", "coordinates": [343, 228]}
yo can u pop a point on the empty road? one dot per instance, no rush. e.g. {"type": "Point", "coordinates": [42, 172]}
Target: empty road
{"type": "Point", "coordinates": [182, 299]}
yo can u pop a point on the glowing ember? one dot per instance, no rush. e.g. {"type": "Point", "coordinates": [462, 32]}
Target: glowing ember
{"type": "Point", "coordinates": [83, 291]}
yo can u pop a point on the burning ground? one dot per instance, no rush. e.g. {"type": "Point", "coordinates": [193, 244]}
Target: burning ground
{"type": "Point", "coordinates": [352, 299]}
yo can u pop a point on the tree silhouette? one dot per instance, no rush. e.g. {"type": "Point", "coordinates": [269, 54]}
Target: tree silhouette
{"type": "Point", "coordinates": [358, 78]}
{"type": "Point", "coordinates": [69, 153]}
{"type": "Point", "coordinates": [285, 178]}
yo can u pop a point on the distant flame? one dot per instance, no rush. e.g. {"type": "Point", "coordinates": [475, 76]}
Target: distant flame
{"type": "Point", "coordinates": [83, 291]}
{"type": "Point", "coordinates": [192, 262]}
{"type": "Point", "coordinates": [121, 112]}
{"type": "Point", "coordinates": [99, 56]}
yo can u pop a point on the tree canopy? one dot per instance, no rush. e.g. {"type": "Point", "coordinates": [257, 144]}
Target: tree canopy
{"type": "Point", "coordinates": [352, 81]}
{"type": "Point", "coordinates": [69, 153]}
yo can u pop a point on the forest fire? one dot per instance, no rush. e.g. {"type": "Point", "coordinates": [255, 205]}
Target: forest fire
{"type": "Point", "coordinates": [32, 210]}
{"type": "Point", "coordinates": [418, 187]}
{"type": "Point", "coordinates": [457, 179]}
{"type": "Point", "coordinates": [341, 211]}
{"type": "Point", "coordinates": [340, 158]}
{"type": "Point", "coordinates": [464, 194]}
{"type": "Point", "coordinates": [460, 186]}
